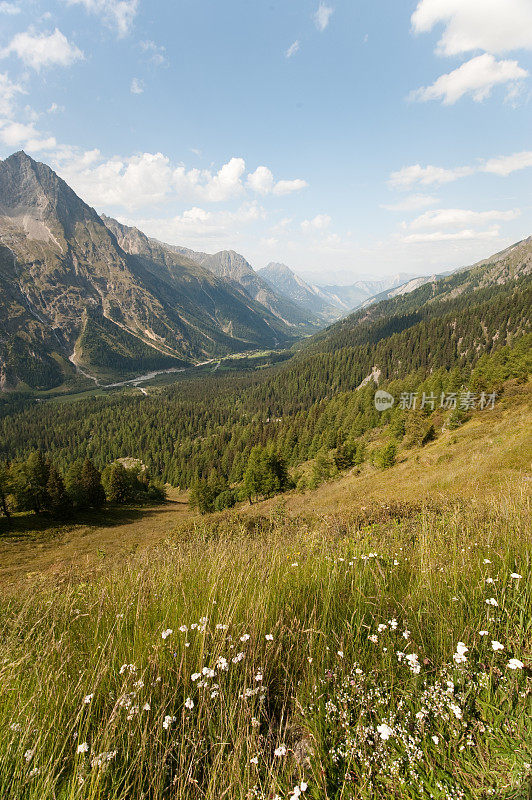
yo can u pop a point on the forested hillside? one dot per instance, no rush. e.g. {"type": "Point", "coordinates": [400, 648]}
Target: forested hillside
{"type": "Point", "coordinates": [474, 340]}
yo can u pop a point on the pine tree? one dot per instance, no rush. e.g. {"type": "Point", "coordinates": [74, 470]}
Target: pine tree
{"type": "Point", "coordinates": [58, 500]}
{"type": "Point", "coordinates": [74, 485]}
{"type": "Point", "coordinates": [118, 484]}
{"type": "Point", "coordinates": [5, 488]}
{"type": "Point", "coordinates": [91, 482]}
{"type": "Point", "coordinates": [30, 483]}
{"type": "Point", "coordinates": [386, 457]}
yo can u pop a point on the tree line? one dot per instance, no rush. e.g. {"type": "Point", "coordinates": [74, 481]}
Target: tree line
{"type": "Point", "coordinates": [204, 431]}
{"type": "Point", "coordinates": [36, 484]}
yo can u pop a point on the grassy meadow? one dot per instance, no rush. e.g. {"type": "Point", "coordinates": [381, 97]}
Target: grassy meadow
{"type": "Point", "coordinates": [369, 639]}
{"type": "Point", "coordinates": [380, 654]}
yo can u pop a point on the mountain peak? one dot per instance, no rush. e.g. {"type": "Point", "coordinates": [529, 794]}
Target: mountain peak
{"type": "Point", "coordinates": [32, 190]}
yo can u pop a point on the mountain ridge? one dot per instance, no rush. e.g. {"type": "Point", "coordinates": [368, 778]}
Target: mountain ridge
{"type": "Point", "coordinates": [70, 292]}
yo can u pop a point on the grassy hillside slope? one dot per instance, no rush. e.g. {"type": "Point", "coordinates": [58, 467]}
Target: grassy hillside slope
{"type": "Point", "coordinates": [331, 645]}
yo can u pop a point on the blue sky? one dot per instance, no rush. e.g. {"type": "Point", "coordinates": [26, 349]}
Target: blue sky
{"type": "Point", "coordinates": [346, 138]}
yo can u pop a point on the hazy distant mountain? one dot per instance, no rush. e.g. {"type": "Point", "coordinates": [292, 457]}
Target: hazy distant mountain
{"type": "Point", "coordinates": [350, 297]}
{"type": "Point", "coordinates": [233, 267]}
{"type": "Point", "coordinates": [328, 302]}
{"type": "Point", "coordinates": [70, 291]}
{"type": "Point", "coordinates": [285, 282]}
{"type": "Point", "coordinates": [430, 298]}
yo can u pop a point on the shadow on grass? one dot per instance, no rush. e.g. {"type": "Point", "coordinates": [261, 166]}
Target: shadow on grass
{"type": "Point", "coordinates": [33, 527]}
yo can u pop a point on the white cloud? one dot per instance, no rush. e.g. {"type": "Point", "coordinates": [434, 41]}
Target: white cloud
{"type": "Point", "coordinates": [262, 182]}
{"type": "Point", "coordinates": [17, 134]}
{"type": "Point", "coordinates": [119, 14]}
{"type": "Point", "coordinates": [319, 223]}
{"type": "Point", "coordinates": [322, 17]}
{"type": "Point", "coordinates": [293, 49]}
{"type": "Point", "coordinates": [131, 183]}
{"type": "Point", "coordinates": [156, 53]}
{"type": "Point", "coordinates": [460, 218]}
{"type": "Point", "coordinates": [197, 226]}
{"type": "Point", "coordinates": [137, 86]}
{"type": "Point", "coordinates": [9, 8]}
{"type": "Point", "coordinates": [406, 177]}
{"type": "Point", "coordinates": [287, 187]}
{"type": "Point", "coordinates": [505, 165]}
{"type": "Point", "coordinates": [476, 77]}
{"type": "Point", "coordinates": [43, 50]}
{"type": "Point", "coordinates": [150, 178]}
{"type": "Point", "coordinates": [496, 26]}
{"type": "Point", "coordinates": [458, 236]}
{"type": "Point", "coordinates": [412, 203]}
{"type": "Point", "coordinates": [8, 92]}
{"type": "Point", "coordinates": [224, 185]}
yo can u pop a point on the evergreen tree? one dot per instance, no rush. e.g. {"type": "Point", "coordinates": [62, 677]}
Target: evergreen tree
{"type": "Point", "coordinates": [386, 457]}
{"type": "Point", "coordinates": [5, 488]}
{"type": "Point", "coordinates": [74, 485]}
{"type": "Point", "coordinates": [118, 485]}
{"type": "Point", "coordinates": [91, 482]}
{"type": "Point", "coordinates": [58, 500]}
{"type": "Point", "coordinates": [30, 480]}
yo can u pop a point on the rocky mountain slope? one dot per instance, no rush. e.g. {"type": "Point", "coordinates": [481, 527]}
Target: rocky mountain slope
{"type": "Point", "coordinates": [71, 294]}
{"type": "Point", "coordinates": [329, 302]}
{"type": "Point", "coordinates": [502, 274]}
{"type": "Point", "coordinates": [233, 267]}
{"type": "Point", "coordinates": [285, 282]}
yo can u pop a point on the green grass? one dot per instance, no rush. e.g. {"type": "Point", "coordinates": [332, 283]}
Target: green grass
{"type": "Point", "coordinates": [304, 582]}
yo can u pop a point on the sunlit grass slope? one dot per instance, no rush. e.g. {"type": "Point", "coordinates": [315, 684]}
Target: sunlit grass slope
{"type": "Point", "coordinates": [279, 657]}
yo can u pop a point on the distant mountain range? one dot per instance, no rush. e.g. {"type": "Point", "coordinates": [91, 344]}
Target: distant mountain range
{"type": "Point", "coordinates": [84, 293]}
{"type": "Point", "coordinates": [329, 303]}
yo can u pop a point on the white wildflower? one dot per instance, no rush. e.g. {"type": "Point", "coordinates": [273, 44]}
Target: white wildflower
{"type": "Point", "coordinates": [269, 637]}
{"type": "Point", "coordinates": [514, 663]}
{"type": "Point", "coordinates": [28, 755]}
{"type": "Point", "coordinates": [483, 633]}
{"type": "Point", "coordinates": [189, 703]}
{"type": "Point", "coordinates": [460, 656]}
{"type": "Point", "coordinates": [516, 575]}
{"type": "Point", "coordinates": [222, 663]}
{"type": "Point", "coordinates": [87, 699]}
{"type": "Point", "coordinates": [384, 731]}
{"type": "Point", "coordinates": [168, 632]}
{"type": "Point", "coordinates": [491, 601]}
{"type": "Point", "coordinates": [457, 711]}
{"type": "Point", "coordinates": [245, 637]}
{"type": "Point", "coordinates": [83, 748]}
{"type": "Point", "coordinates": [280, 751]}
{"type": "Point", "coordinates": [168, 721]}
{"type": "Point", "coordinates": [496, 646]}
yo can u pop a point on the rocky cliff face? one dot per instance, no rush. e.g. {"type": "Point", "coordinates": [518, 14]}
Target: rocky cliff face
{"type": "Point", "coordinates": [232, 266]}
{"type": "Point", "coordinates": [71, 289]}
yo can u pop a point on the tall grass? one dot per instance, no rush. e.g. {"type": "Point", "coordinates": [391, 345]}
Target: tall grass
{"type": "Point", "coordinates": [274, 687]}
